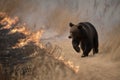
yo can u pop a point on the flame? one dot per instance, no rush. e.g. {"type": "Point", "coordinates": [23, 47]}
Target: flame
{"type": "Point", "coordinates": [32, 37]}
{"type": "Point", "coordinates": [35, 37]}
{"type": "Point", "coordinates": [21, 30]}
{"type": "Point", "coordinates": [10, 23]}
{"type": "Point", "coordinates": [69, 64]}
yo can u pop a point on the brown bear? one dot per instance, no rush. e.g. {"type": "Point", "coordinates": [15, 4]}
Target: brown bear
{"type": "Point", "coordinates": [84, 35]}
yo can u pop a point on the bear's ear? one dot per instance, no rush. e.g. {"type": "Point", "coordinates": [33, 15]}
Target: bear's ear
{"type": "Point", "coordinates": [71, 24]}
{"type": "Point", "coordinates": [80, 27]}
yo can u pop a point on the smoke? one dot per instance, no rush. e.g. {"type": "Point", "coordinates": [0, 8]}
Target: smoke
{"type": "Point", "coordinates": [54, 15]}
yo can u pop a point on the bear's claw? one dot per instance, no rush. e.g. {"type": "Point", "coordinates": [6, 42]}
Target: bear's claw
{"type": "Point", "coordinates": [84, 56]}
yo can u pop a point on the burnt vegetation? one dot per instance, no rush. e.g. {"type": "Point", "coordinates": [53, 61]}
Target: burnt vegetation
{"type": "Point", "coordinates": [29, 61]}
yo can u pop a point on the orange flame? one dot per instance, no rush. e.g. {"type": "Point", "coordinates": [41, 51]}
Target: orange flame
{"type": "Point", "coordinates": [69, 64]}
{"type": "Point", "coordinates": [8, 22]}
{"type": "Point", "coordinates": [33, 37]}
{"type": "Point", "coordinates": [30, 36]}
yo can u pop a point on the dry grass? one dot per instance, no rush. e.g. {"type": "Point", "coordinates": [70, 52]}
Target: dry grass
{"type": "Point", "coordinates": [111, 46]}
{"type": "Point", "coordinates": [29, 62]}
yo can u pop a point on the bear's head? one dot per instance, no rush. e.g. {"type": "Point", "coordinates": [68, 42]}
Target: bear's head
{"type": "Point", "coordinates": [75, 31]}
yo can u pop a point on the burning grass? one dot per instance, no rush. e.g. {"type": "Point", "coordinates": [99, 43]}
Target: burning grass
{"type": "Point", "coordinates": [24, 57]}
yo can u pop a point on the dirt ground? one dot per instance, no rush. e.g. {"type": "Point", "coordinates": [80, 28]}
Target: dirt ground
{"type": "Point", "coordinates": [93, 67]}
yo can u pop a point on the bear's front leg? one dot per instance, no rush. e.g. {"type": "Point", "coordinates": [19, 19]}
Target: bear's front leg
{"type": "Point", "coordinates": [87, 49]}
{"type": "Point", "coordinates": [75, 44]}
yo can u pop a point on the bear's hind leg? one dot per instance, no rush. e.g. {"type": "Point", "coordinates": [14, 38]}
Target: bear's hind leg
{"type": "Point", "coordinates": [95, 46]}
{"type": "Point", "coordinates": [95, 50]}
{"type": "Point", "coordinates": [86, 51]}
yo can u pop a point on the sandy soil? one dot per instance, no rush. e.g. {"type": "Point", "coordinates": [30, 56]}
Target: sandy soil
{"type": "Point", "coordinates": [97, 67]}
